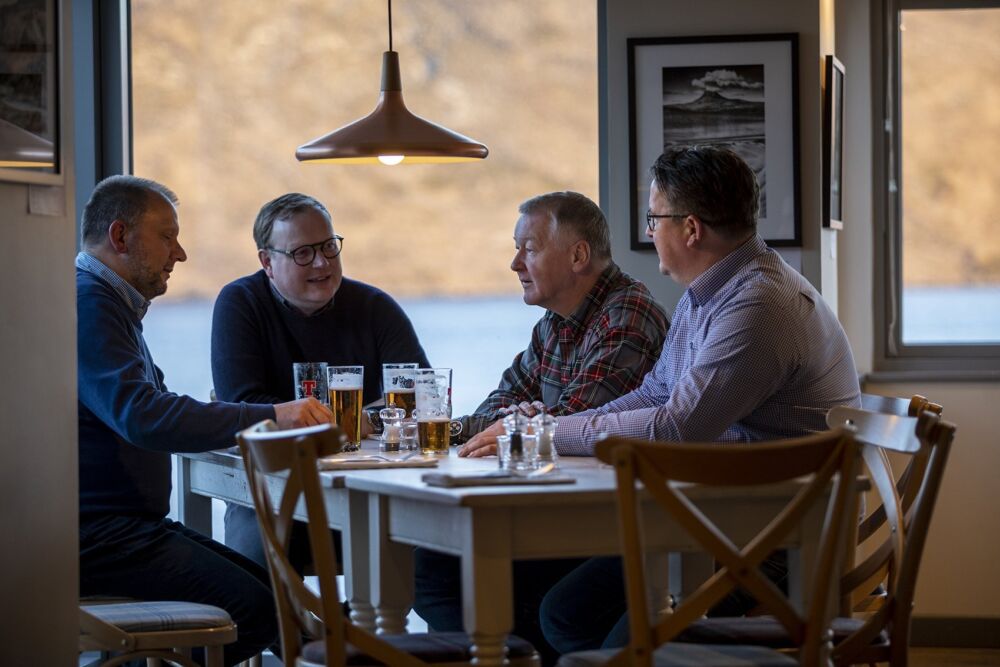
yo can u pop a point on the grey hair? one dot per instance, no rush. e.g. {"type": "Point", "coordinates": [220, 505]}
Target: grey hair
{"type": "Point", "coordinates": [122, 197]}
{"type": "Point", "coordinates": [577, 212]}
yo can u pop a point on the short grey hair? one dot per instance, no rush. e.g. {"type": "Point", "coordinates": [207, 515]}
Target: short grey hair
{"type": "Point", "coordinates": [122, 197]}
{"type": "Point", "coordinates": [282, 208]}
{"type": "Point", "coordinates": [576, 211]}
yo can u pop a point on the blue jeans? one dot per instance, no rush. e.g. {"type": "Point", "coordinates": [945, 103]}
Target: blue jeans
{"type": "Point", "coordinates": [160, 559]}
{"type": "Point", "coordinates": [587, 609]}
{"type": "Point", "coordinates": [438, 597]}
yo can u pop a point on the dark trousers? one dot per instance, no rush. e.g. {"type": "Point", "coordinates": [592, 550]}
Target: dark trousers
{"type": "Point", "coordinates": [438, 596]}
{"type": "Point", "coordinates": [587, 609]}
{"type": "Point", "coordinates": [243, 536]}
{"type": "Point", "coordinates": [164, 560]}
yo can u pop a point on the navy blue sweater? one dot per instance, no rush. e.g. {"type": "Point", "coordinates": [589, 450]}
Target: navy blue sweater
{"type": "Point", "coordinates": [256, 338]}
{"type": "Point", "coordinates": [128, 421]}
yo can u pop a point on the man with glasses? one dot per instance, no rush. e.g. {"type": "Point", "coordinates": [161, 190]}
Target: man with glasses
{"type": "Point", "coordinates": [129, 424]}
{"type": "Point", "coordinates": [753, 353]}
{"type": "Point", "coordinates": [299, 307]}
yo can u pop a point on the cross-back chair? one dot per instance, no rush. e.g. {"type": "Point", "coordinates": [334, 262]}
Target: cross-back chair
{"type": "Point", "coordinates": [131, 630]}
{"type": "Point", "coordinates": [872, 628]}
{"type": "Point", "coordinates": [330, 638]}
{"type": "Point", "coordinates": [826, 458]}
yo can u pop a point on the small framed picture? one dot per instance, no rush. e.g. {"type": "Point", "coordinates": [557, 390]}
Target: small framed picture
{"type": "Point", "coordinates": [833, 144]}
{"type": "Point", "coordinates": [735, 91]}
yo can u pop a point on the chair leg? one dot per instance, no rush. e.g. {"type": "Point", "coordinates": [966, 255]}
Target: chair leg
{"type": "Point", "coordinates": [213, 656]}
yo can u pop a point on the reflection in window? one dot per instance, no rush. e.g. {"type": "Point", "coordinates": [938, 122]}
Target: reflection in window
{"type": "Point", "coordinates": [951, 203]}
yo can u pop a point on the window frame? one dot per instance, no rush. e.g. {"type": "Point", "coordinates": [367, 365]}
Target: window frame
{"type": "Point", "coordinates": [955, 361]}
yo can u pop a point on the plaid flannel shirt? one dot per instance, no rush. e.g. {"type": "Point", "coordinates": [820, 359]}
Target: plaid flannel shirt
{"type": "Point", "coordinates": [600, 352]}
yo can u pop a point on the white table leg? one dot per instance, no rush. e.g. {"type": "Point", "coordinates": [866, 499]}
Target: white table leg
{"type": "Point", "coordinates": [392, 563]}
{"type": "Point", "coordinates": [487, 591]}
{"type": "Point", "coordinates": [357, 582]}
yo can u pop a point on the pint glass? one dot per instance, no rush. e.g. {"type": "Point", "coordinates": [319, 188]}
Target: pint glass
{"type": "Point", "coordinates": [346, 385]}
{"type": "Point", "coordinates": [433, 411]}
{"type": "Point", "coordinates": [398, 386]}
{"type": "Point", "coordinates": [310, 380]}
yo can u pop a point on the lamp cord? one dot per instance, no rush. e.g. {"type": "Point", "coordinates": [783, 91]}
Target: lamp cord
{"type": "Point", "coordinates": [390, 24]}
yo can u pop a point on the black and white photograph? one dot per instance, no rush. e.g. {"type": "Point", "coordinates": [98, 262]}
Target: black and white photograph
{"type": "Point", "coordinates": [737, 92]}
{"type": "Point", "coordinates": [833, 143]}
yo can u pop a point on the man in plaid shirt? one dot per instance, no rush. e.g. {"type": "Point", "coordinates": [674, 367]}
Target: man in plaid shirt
{"type": "Point", "coordinates": [602, 333]}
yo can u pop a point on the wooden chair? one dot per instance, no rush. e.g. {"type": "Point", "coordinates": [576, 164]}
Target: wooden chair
{"type": "Point", "coordinates": [902, 407]}
{"type": "Point", "coordinates": [168, 631]}
{"type": "Point", "coordinates": [319, 617]}
{"type": "Point", "coordinates": [890, 539]}
{"type": "Point", "coordinates": [829, 457]}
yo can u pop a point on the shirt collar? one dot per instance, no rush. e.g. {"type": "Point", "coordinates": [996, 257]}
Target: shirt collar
{"type": "Point", "coordinates": [136, 302]}
{"type": "Point", "coordinates": [710, 281]}
{"type": "Point", "coordinates": [594, 298]}
{"type": "Point", "coordinates": [280, 298]}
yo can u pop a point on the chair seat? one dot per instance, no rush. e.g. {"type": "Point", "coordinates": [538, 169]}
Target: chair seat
{"type": "Point", "coordinates": [690, 655]}
{"type": "Point", "coordinates": [431, 647]}
{"type": "Point", "coordinates": [161, 616]}
{"type": "Point", "coordinates": [759, 631]}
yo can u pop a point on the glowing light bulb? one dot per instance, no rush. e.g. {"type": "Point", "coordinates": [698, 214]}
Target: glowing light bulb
{"type": "Point", "coordinates": [390, 159]}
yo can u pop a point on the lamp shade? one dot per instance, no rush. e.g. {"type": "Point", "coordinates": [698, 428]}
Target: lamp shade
{"type": "Point", "coordinates": [391, 134]}
{"type": "Point", "coordinates": [22, 149]}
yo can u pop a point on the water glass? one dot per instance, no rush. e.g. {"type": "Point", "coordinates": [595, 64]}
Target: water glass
{"type": "Point", "coordinates": [311, 380]}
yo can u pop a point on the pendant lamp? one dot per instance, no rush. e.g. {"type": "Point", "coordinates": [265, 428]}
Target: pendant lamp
{"type": "Point", "coordinates": [391, 134]}
{"type": "Point", "coordinates": [24, 150]}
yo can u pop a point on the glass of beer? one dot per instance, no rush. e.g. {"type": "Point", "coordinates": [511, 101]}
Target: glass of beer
{"type": "Point", "coordinates": [398, 386]}
{"type": "Point", "coordinates": [433, 412]}
{"type": "Point", "coordinates": [346, 385]}
{"type": "Point", "coordinates": [310, 380]}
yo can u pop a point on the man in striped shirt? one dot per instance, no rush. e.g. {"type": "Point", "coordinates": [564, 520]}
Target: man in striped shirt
{"type": "Point", "coordinates": [754, 352]}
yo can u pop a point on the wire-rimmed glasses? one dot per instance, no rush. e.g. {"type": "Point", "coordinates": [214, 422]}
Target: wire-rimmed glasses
{"type": "Point", "coordinates": [651, 218]}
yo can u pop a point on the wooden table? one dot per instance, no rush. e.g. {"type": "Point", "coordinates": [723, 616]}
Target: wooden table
{"type": "Point", "coordinates": [383, 513]}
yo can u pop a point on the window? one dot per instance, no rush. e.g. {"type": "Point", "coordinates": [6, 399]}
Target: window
{"type": "Point", "coordinates": [942, 310]}
{"type": "Point", "coordinates": [223, 93]}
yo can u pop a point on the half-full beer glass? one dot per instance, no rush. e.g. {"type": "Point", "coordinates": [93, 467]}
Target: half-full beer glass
{"type": "Point", "coordinates": [398, 386]}
{"type": "Point", "coordinates": [346, 386]}
{"type": "Point", "coordinates": [310, 380]}
{"type": "Point", "coordinates": [433, 411]}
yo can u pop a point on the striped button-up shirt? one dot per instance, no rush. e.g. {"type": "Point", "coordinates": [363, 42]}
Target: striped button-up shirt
{"type": "Point", "coordinates": [753, 353]}
{"type": "Point", "coordinates": [598, 353]}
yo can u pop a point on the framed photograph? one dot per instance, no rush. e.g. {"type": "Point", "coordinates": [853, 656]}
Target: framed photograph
{"type": "Point", "coordinates": [736, 91]}
{"type": "Point", "coordinates": [833, 143]}
{"type": "Point", "coordinates": [29, 91]}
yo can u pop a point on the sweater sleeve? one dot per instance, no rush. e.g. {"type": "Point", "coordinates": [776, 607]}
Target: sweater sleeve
{"type": "Point", "coordinates": [239, 351]}
{"type": "Point", "coordinates": [122, 389]}
{"type": "Point", "coordinates": [397, 340]}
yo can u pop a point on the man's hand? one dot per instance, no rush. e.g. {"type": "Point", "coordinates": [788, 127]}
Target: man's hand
{"type": "Point", "coordinates": [526, 408]}
{"type": "Point", "coordinates": [483, 443]}
{"type": "Point", "coordinates": [303, 412]}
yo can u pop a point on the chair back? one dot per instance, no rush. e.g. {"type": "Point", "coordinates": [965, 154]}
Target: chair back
{"type": "Point", "coordinates": [822, 459]}
{"type": "Point", "coordinates": [906, 508]}
{"type": "Point", "coordinates": [903, 407]}
{"type": "Point", "coordinates": [268, 455]}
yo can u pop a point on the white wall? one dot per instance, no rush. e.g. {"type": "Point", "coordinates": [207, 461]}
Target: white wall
{"type": "Point", "coordinates": [38, 434]}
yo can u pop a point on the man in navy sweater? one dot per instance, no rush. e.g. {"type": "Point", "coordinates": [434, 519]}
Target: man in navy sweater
{"type": "Point", "coordinates": [129, 423]}
{"type": "Point", "coordinates": [299, 307]}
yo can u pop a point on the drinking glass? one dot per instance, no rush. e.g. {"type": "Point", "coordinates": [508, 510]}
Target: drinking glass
{"type": "Point", "coordinates": [346, 385]}
{"type": "Point", "coordinates": [311, 380]}
{"type": "Point", "coordinates": [398, 386]}
{"type": "Point", "coordinates": [433, 412]}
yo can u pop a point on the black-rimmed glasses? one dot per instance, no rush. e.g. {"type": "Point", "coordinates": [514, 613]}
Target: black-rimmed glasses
{"type": "Point", "coordinates": [305, 255]}
{"type": "Point", "coordinates": [651, 218]}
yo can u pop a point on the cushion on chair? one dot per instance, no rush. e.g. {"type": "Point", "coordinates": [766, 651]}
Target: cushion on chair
{"type": "Point", "coordinates": [160, 616]}
{"type": "Point", "coordinates": [432, 647]}
{"type": "Point", "coordinates": [759, 631]}
{"type": "Point", "coordinates": [690, 655]}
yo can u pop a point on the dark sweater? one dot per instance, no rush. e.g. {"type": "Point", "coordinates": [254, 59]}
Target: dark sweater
{"type": "Point", "coordinates": [128, 421]}
{"type": "Point", "coordinates": [256, 338]}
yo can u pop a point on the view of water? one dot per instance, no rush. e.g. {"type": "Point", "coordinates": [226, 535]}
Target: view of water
{"type": "Point", "coordinates": [951, 315]}
{"type": "Point", "coordinates": [477, 338]}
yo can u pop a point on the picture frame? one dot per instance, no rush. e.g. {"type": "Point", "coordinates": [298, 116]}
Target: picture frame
{"type": "Point", "coordinates": [737, 91]}
{"type": "Point", "coordinates": [833, 143]}
{"type": "Point", "coordinates": [30, 83]}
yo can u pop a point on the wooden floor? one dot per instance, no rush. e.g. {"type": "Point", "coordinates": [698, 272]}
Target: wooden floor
{"type": "Point", "coordinates": [953, 657]}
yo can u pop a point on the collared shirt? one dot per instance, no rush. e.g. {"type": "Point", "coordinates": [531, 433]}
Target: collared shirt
{"type": "Point", "coordinates": [280, 298]}
{"type": "Point", "coordinates": [753, 353]}
{"type": "Point", "coordinates": [583, 361]}
{"type": "Point", "coordinates": [136, 302]}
